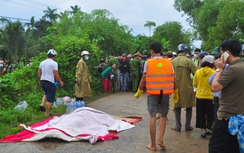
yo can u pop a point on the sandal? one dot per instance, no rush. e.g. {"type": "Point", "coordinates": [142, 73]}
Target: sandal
{"type": "Point", "coordinates": [189, 128]}
{"type": "Point", "coordinates": [176, 129]}
{"type": "Point", "coordinates": [42, 108]}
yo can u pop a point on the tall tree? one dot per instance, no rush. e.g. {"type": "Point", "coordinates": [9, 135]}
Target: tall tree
{"type": "Point", "coordinates": [190, 7]}
{"type": "Point", "coordinates": [172, 33]}
{"type": "Point", "coordinates": [150, 24]}
{"type": "Point", "coordinates": [50, 14]}
{"type": "Point", "coordinates": [74, 9]}
{"type": "Point", "coordinates": [31, 24]}
{"type": "Point", "coordinates": [14, 38]}
{"type": "Point", "coordinates": [229, 24]}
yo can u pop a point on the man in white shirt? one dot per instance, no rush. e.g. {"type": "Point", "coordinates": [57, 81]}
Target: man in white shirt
{"type": "Point", "coordinates": [47, 73]}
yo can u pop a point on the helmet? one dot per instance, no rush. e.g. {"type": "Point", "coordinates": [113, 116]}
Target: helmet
{"type": "Point", "coordinates": [85, 53]}
{"type": "Point", "coordinates": [124, 55]}
{"type": "Point", "coordinates": [182, 47]}
{"type": "Point", "coordinates": [174, 53]}
{"type": "Point", "coordinates": [215, 51]}
{"type": "Point", "coordinates": [102, 60]}
{"type": "Point", "coordinates": [129, 56]}
{"type": "Point", "coordinates": [52, 52]}
{"type": "Point", "coordinates": [202, 54]}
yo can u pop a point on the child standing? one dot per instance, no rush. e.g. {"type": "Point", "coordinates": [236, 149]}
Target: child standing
{"type": "Point", "coordinates": [204, 96]}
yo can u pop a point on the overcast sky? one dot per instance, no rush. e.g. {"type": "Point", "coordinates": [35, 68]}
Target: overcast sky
{"type": "Point", "coordinates": [133, 13]}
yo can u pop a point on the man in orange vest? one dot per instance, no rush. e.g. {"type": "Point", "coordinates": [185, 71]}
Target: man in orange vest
{"type": "Point", "coordinates": [158, 77]}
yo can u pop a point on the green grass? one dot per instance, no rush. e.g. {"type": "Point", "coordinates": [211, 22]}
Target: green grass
{"type": "Point", "coordinates": [11, 118]}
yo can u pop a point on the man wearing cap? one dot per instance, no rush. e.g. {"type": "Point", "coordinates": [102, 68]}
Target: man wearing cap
{"type": "Point", "coordinates": [183, 67]}
{"type": "Point", "coordinates": [47, 73]}
{"type": "Point", "coordinates": [135, 71]}
{"type": "Point", "coordinates": [82, 86]}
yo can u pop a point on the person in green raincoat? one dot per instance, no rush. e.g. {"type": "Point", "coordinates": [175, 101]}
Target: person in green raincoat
{"type": "Point", "coordinates": [135, 71]}
{"type": "Point", "coordinates": [183, 68]}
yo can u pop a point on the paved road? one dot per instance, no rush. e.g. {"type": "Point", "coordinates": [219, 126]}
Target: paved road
{"type": "Point", "coordinates": [131, 141]}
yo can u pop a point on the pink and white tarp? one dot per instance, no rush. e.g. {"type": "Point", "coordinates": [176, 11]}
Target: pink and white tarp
{"type": "Point", "coordinates": [83, 124]}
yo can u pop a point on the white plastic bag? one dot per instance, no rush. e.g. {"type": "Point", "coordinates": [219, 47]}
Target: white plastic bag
{"type": "Point", "coordinates": [21, 106]}
{"type": "Point", "coordinates": [59, 101]}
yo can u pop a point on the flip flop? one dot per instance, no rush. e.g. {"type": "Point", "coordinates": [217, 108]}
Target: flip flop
{"type": "Point", "coordinates": [151, 148]}
{"type": "Point", "coordinates": [42, 108]}
{"type": "Point", "coordinates": [162, 145]}
{"type": "Point", "coordinates": [175, 129]}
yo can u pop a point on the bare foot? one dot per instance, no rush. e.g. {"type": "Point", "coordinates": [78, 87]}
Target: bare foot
{"type": "Point", "coordinates": [151, 148]}
{"type": "Point", "coordinates": [161, 145]}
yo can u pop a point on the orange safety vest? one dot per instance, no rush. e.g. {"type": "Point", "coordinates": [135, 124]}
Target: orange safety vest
{"type": "Point", "coordinates": [160, 76]}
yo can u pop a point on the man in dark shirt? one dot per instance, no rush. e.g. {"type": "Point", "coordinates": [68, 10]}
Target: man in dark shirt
{"type": "Point", "coordinates": [124, 71]}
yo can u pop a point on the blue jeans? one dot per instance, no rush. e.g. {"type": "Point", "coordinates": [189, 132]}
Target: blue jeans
{"type": "Point", "coordinates": [123, 81]}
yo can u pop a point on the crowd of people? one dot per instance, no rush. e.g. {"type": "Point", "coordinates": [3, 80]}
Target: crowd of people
{"type": "Point", "coordinates": [8, 66]}
{"type": "Point", "coordinates": [127, 72]}
{"type": "Point", "coordinates": [211, 83]}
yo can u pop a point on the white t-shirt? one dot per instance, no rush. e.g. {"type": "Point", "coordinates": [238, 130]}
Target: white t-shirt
{"type": "Point", "coordinates": [48, 66]}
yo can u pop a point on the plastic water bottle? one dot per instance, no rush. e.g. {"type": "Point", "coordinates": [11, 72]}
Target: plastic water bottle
{"type": "Point", "coordinates": [73, 106]}
{"type": "Point", "coordinates": [21, 106]}
{"type": "Point", "coordinates": [78, 104]}
{"type": "Point", "coordinates": [68, 107]}
{"type": "Point", "coordinates": [83, 104]}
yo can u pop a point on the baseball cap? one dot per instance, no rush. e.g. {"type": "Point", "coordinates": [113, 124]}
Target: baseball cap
{"type": "Point", "coordinates": [208, 58]}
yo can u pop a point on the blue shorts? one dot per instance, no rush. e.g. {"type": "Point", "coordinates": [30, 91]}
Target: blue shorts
{"type": "Point", "coordinates": [49, 89]}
